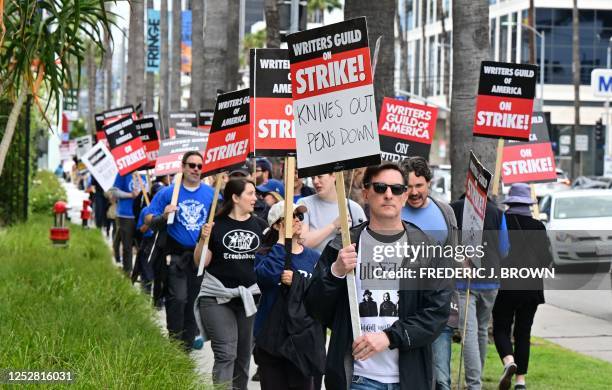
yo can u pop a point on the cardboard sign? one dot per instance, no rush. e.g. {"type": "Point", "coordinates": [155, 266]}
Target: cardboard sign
{"type": "Point", "coordinates": [271, 103]}
{"type": "Point", "coordinates": [533, 161]}
{"type": "Point", "coordinates": [181, 119]}
{"type": "Point", "coordinates": [171, 153]}
{"type": "Point", "coordinates": [228, 141]}
{"type": "Point", "coordinates": [147, 131]}
{"type": "Point", "coordinates": [477, 186]}
{"type": "Point", "coordinates": [67, 150]}
{"type": "Point", "coordinates": [153, 41]}
{"type": "Point", "coordinates": [83, 144]}
{"type": "Point", "coordinates": [155, 117]}
{"type": "Point", "coordinates": [205, 118]}
{"type": "Point", "coordinates": [126, 146]}
{"type": "Point", "coordinates": [406, 129]}
{"type": "Point", "coordinates": [505, 100]}
{"type": "Point", "coordinates": [333, 98]}
{"type": "Point", "coordinates": [107, 117]}
{"type": "Point", "coordinates": [190, 132]}
{"type": "Point", "coordinates": [101, 164]}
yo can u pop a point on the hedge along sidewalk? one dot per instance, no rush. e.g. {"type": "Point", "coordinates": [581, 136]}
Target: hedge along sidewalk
{"type": "Point", "coordinates": [69, 309]}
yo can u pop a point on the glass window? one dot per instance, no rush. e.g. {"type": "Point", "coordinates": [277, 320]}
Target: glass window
{"type": "Point", "coordinates": [603, 19]}
{"type": "Point", "coordinates": [503, 38]}
{"type": "Point", "coordinates": [562, 17]}
{"type": "Point", "coordinates": [583, 207]}
{"type": "Point", "coordinates": [543, 16]}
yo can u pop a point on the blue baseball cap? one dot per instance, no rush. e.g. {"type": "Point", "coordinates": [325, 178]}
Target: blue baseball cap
{"type": "Point", "coordinates": [272, 185]}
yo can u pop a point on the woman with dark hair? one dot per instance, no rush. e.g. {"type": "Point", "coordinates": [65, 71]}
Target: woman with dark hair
{"type": "Point", "coordinates": [225, 307]}
{"type": "Point", "coordinates": [278, 369]}
{"type": "Point", "coordinates": [517, 301]}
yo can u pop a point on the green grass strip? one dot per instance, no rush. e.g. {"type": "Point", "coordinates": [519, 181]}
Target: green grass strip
{"type": "Point", "coordinates": [70, 309]}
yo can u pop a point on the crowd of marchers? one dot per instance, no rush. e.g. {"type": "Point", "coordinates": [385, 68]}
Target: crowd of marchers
{"type": "Point", "coordinates": [254, 299]}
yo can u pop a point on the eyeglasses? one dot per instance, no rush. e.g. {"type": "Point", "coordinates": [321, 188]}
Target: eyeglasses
{"type": "Point", "coordinates": [381, 188]}
{"type": "Point", "coordinates": [299, 216]}
{"type": "Point", "coordinates": [194, 166]}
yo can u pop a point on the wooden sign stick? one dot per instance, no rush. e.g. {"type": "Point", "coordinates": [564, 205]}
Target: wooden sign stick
{"type": "Point", "coordinates": [289, 181]}
{"type": "Point", "coordinates": [346, 241]}
{"type": "Point", "coordinates": [536, 207]}
{"type": "Point", "coordinates": [145, 192]}
{"type": "Point", "coordinates": [498, 164]}
{"type": "Point", "coordinates": [178, 178]}
{"type": "Point", "coordinates": [211, 218]}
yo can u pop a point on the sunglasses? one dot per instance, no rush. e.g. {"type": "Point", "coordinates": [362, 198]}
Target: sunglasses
{"type": "Point", "coordinates": [381, 188]}
{"type": "Point", "coordinates": [299, 216]}
{"type": "Point", "coordinates": [194, 166]}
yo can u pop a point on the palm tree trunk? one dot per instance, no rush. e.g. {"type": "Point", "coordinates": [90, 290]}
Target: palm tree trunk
{"type": "Point", "coordinates": [272, 24]}
{"type": "Point", "coordinates": [470, 48]}
{"type": "Point", "coordinates": [424, 85]}
{"type": "Point", "coordinates": [135, 82]}
{"type": "Point", "coordinates": [215, 51]}
{"type": "Point", "coordinates": [108, 70]}
{"type": "Point", "coordinates": [11, 124]}
{"type": "Point", "coordinates": [150, 79]}
{"type": "Point", "coordinates": [197, 60]}
{"type": "Point", "coordinates": [175, 58]}
{"type": "Point", "coordinates": [403, 73]}
{"type": "Point", "coordinates": [233, 44]}
{"type": "Point", "coordinates": [91, 89]}
{"type": "Point", "coordinates": [576, 71]}
{"type": "Point", "coordinates": [379, 13]}
{"type": "Point", "coordinates": [163, 64]}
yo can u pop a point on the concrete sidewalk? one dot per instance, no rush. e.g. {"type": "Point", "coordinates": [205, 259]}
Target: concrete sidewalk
{"type": "Point", "coordinates": [577, 332]}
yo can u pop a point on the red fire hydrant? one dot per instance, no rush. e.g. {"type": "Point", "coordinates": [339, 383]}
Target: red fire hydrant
{"type": "Point", "coordinates": [60, 234]}
{"type": "Point", "coordinates": [86, 212]}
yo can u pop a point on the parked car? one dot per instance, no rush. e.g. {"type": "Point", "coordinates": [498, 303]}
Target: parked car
{"type": "Point", "coordinates": [543, 189]}
{"type": "Point", "coordinates": [441, 182]}
{"type": "Point", "coordinates": [579, 225]}
{"type": "Point", "coordinates": [592, 182]}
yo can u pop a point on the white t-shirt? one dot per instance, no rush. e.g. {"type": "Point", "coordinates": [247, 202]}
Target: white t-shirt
{"type": "Point", "coordinates": [379, 305]}
{"type": "Point", "coordinates": [321, 213]}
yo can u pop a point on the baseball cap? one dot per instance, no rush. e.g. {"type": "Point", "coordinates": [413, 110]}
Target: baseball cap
{"type": "Point", "coordinates": [277, 211]}
{"type": "Point", "coordinates": [273, 185]}
{"type": "Point", "coordinates": [264, 164]}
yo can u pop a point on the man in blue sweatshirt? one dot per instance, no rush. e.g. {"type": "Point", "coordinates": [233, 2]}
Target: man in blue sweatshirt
{"type": "Point", "coordinates": [193, 206]}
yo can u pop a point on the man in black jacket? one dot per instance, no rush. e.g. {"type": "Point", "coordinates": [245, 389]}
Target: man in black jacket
{"type": "Point", "coordinates": [391, 350]}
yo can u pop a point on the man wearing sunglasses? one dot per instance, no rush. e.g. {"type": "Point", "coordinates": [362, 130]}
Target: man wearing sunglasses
{"type": "Point", "coordinates": [437, 220]}
{"type": "Point", "coordinates": [193, 206]}
{"type": "Point", "coordinates": [394, 349]}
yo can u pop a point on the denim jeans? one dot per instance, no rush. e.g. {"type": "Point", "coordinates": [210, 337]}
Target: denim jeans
{"type": "Point", "coordinates": [363, 383]}
{"type": "Point", "coordinates": [441, 348]}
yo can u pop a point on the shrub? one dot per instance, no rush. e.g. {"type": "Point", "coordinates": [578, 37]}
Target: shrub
{"type": "Point", "coordinates": [46, 190]}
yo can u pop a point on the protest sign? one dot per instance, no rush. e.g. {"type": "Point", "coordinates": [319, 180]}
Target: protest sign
{"type": "Point", "coordinates": [153, 41]}
{"type": "Point", "coordinates": [333, 98]}
{"type": "Point", "coordinates": [533, 161]}
{"type": "Point", "coordinates": [147, 131]}
{"type": "Point", "coordinates": [186, 41]}
{"type": "Point", "coordinates": [190, 132]}
{"type": "Point", "coordinates": [228, 141]}
{"type": "Point", "coordinates": [83, 144]}
{"type": "Point", "coordinates": [205, 119]}
{"type": "Point", "coordinates": [505, 100]}
{"type": "Point", "coordinates": [67, 150]}
{"type": "Point", "coordinates": [155, 117]}
{"type": "Point", "coordinates": [171, 152]}
{"type": "Point", "coordinates": [405, 129]}
{"type": "Point", "coordinates": [125, 145]}
{"type": "Point", "coordinates": [101, 164]}
{"type": "Point", "coordinates": [271, 103]}
{"type": "Point", "coordinates": [181, 119]}
{"type": "Point", "coordinates": [477, 186]}
{"type": "Point", "coordinates": [110, 116]}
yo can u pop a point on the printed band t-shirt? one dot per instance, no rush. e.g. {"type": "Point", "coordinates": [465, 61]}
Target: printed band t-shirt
{"type": "Point", "coordinates": [379, 302]}
{"type": "Point", "coordinates": [233, 245]}
{"type": "Point", "coordinates": [192, 211]}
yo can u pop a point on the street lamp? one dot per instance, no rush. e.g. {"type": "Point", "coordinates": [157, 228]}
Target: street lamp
{"type": "Point", "coordinates": [542, 40]}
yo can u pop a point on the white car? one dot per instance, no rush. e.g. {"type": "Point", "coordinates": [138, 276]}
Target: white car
{"type": "Point", "coordinates": [579, 225]}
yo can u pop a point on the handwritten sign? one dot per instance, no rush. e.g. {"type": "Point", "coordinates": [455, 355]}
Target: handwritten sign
{"type": "Point", "coordinates": [333, 98]}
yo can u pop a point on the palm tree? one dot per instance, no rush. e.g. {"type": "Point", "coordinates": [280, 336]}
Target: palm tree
{"type": "Point", "coordinates": [164, 91]}
{"type": "Point", "coordinates": [272, 23]}
{"type": "Point", "coordinates": [322, 5]}
{"type": "Point", "coordinates": [197, 60]}
{"type": "Point", "coordinates": [470, 48]}
{"type": "Point", "coordinates": [90, 64]}
{"type": "Point", "coordinates": [404, 83]}
{"type": "Point", "coordinates": [42, 39]}
{"type": "Point", "coordinates": [135, 82]}
{"type": "Point", "coordinates": [215, 51]}
{"type": "Point", "coordinates": [233, 45]}
{"type": "Point", "coordinates": [175, 58]}
{"type": "Point", "coordinates": [379, 14]}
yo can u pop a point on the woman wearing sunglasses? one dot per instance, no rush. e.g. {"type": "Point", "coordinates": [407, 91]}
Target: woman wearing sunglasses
{"type": "Point", "coordinates": [225, 308]}
{"type": "Point", "coordinates": [282, 291]}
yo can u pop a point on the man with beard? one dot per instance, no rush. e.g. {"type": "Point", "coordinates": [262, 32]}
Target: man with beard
{"type": "Point", "coordinates": [387, 308]}
{"type": "Point", "coordinates": [438, 221]}
{"type": "Point", "coordinates": [263, 171]}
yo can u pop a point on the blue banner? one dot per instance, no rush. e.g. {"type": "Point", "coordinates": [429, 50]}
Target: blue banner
{"type": "Point", "coordinates": [186, 42]}
{"type": "Point", "coordinates": [153, 41]}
